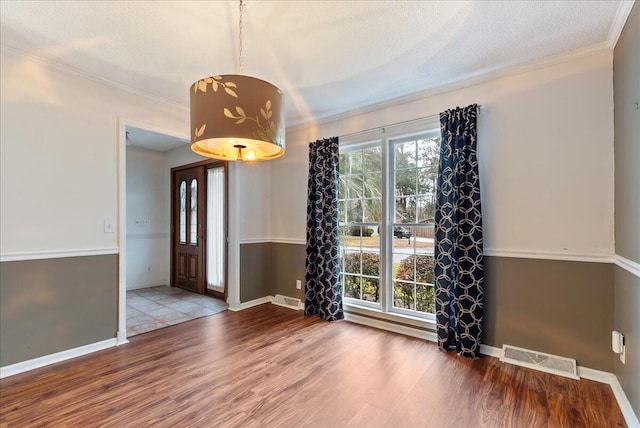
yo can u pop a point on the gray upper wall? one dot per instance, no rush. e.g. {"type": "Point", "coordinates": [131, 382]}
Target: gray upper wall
{"type": "Point", "coordinates": [626, 88]}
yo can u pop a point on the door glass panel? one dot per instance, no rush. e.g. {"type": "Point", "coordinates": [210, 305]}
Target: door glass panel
{"type": "Point", "coordinates": [216, 231]}
{"type": "Point", "coordinates": [194, 212]}
{"type": "Point", "coordinates": [183, 212]}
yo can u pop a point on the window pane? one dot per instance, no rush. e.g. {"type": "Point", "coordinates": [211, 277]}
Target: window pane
{"type": "Point", "coordinates": [372, 159]}
{"type": "Point", "coordinates": [405, 155]}
{"type": "Point", "coordinates": [354, 187]}
{"type": "Point", "coordinates": [354, 162]}
{"type": "Point", "coordinates": [371, 264]}
{"type": "Point", "coordinates": [424, 239]}
{"type": "Point", "coordinates": [183, 212]}
{"type": "Point", "coordinates": [194, 212]}
{"type": "Point", "coordinates": [425, 299]}
{"type": "Point", "coordinates": [373, 210]}
{"type": "Point", "coordinates": [427, 180]}
{"type": "Point", "coordinates": [354, 211]}
{"type": "Point", "coordinates": [404, 267]}
{"type": "Point", "coordinates": [370, 289]}
{"type": "Point", "coordinates": [352, 262]}
{"type": "Point", "coordinates": [426, 209]}
{"type": "Point", "coordinates": [406, 209]}
{"type": "Point", "coordinates": [342, 188]}
{"type": "Point", "coordinates": [373, 185]}
{"type": "Point", "coordinates": [405, 182]}
{"type": "Point", "coordinates": [342, 211]}
{"type": "Point", "coordinates": [342, 230]}
{"type": "Point", "coordinates": [428, 151]}
{"type": "Point", "coordinates": [403, 295]}
{"type": "Point", "coordinates": [352, 286]}
{"type": "Point", "coordinates": [342, 162]}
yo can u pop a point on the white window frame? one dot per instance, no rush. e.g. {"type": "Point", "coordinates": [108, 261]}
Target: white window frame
{"type": "Point", "coordinates": [385, 138]}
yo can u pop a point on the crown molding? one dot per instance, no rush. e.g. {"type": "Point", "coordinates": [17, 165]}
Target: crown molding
{"type": "Point", "coordinates": [467, 81]}
{"type": "Point", "coordinates": [90, 76]}
{"type": "Point", "coordinates": [622, 14]}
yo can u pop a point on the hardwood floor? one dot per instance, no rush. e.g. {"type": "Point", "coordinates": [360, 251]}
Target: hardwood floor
{"type": "Point", "coordinates": [270, 366]}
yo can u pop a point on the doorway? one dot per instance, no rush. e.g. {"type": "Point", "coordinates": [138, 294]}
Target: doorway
{"type": "Point", "coordinates": [145, 232]}
{"type": "Point", "coordinates": [199, 228]}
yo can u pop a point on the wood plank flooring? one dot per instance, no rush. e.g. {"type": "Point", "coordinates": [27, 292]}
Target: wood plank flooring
{"type": "Point", "coordinates": [270, 366]}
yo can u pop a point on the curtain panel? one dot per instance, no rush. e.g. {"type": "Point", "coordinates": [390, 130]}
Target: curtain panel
{"type": "Point", "coordinates": [322, 267]}
{"type": "Point", "coordinates": [459, 270]}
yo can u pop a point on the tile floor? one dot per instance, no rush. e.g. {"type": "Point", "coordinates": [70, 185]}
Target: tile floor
{"type": "Point", "coordinates": [157, 307]}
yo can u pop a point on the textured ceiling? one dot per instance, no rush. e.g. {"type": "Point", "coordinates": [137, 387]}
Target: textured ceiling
{"type": "Point", "coordinates": [328, 57]}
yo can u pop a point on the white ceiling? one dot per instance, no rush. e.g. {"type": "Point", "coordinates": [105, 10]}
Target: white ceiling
{"type": "Point", "coordinates": [329, 57]}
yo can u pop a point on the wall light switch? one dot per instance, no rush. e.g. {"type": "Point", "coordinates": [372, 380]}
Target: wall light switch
{"type": "Point", "coordinates": [298, 284]}
{"type": "Point", "coordinates": [109, 225]}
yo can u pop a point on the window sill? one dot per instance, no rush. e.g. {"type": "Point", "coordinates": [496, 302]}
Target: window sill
{"type": "Point", "coordinates": [390, 317]}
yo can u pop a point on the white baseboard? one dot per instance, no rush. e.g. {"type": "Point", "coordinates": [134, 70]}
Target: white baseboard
{"type": "Point", "coordinates": [299, 308]}
{"type": "Point", "coordinates": [252, 303]}
{"type": "Point", "coordinates": [625, 406]}
{"type": "Point", "coordinates": [261, 301]}
{"type": "Point", "coordinates": [46, 360]}
{"type": "Point", "coordinates": [491, 351]}
{"type": "Point", "coordinates": [595, 375]}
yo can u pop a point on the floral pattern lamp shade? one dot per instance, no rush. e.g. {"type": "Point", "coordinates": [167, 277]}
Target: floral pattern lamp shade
{"type": "Point", "coordinates": [237, 117]}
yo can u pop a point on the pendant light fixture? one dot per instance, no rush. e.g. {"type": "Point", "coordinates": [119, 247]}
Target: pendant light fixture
{"type": "Point", "coordinates": [237, 117]}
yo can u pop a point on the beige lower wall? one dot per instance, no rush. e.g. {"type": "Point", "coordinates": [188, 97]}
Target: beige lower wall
{"type": "Point", "coordinates": [52, 305]}
{"type": "Point", "coordinates": [255, 271]}
{"type": "Point", "coordinates": [287, 266]}
{"type": "Point", "coordinates": [558, 307]}
{"type": "Point", "coordinates": [271, 268]}
{"type": "Point", "coordinates": [627, 321]}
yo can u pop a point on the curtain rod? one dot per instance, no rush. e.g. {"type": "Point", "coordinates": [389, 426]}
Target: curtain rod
{"type": "Point", "coordinates": [364, 131]}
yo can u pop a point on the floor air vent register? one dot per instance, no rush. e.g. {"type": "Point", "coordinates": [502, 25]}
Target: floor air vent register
{"type": "Point", "coordinates": [288, 302]}
{"type": "Point", "coordinates": [540, 361]}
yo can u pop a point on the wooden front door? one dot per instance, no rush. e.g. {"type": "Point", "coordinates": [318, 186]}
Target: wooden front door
{"type": "Point", "coordinates": [188, 270]}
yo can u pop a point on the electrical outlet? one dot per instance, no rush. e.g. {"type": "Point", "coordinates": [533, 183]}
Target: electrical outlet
{"type": "Point", "coordinates": [298, 284]}
{"type": "Point", "coordinates": [149, 269]}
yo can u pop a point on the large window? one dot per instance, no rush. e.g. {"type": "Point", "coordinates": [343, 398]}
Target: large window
{"type": "Point", "coordinates": [386, 211]}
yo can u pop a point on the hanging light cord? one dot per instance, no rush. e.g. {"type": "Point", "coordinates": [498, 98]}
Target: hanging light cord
{"type": "Point", "coordinates": [240, 38]}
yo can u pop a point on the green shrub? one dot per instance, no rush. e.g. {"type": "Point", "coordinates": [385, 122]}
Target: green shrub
{"type": "Point", "coordinates": [357, 230]}
{"type": "Point", "coordinates": [424, 268]}
{"type": "Point", "coordinates": [370, 267]}
{"type": "Point", "coordinates": [403, 292]}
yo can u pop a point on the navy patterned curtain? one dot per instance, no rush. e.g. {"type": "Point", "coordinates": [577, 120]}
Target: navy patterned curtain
{"type": "Point", "coordinates": [322, 271]}
{"type": "Point", "coordinates": [459, 272]}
